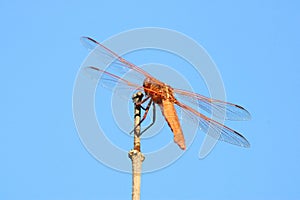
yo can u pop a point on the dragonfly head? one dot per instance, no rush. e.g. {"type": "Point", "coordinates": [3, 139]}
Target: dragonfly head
{"type": "Point", "coordinates": [147, 82]}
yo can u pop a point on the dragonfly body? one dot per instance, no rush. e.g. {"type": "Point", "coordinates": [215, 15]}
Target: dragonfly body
{"type": "Point", "coordinates": [167, 97]}
{"type": "Point", "coordinates": [163, 95]}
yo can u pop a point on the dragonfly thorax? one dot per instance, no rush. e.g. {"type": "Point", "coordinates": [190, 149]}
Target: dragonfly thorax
{"type": "Point", "coordinates": [158, 91]}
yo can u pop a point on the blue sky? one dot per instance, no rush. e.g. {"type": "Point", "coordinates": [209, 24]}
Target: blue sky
{"type": "Point", "coordinates": [255, 45]}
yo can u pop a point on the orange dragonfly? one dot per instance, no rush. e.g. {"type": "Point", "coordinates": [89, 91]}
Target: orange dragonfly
{"type": "Point", "coordinates": [166, 97]}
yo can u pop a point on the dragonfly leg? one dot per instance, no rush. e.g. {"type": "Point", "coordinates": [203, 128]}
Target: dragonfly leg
{"type": "Point", "coordinates": [153, 120]}
{"type": "Point", "coordinates": [145, 115]}
{"type": "Point", "coordinates": [143, 101]}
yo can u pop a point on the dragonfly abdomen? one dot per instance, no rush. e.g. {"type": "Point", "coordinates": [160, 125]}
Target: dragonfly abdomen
{"type": "Point", "coordinates": [169, 112]}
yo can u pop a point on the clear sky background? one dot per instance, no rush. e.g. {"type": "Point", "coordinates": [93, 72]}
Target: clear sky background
{"type": "Point", "coordinates": [255, 45]}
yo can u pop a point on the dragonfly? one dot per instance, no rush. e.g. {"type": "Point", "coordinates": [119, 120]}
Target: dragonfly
{"type": "Point", "coordinates": [167, 97]}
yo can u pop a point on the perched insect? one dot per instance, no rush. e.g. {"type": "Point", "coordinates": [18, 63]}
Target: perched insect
{"type": "Point", "coordinates": [166, 97]}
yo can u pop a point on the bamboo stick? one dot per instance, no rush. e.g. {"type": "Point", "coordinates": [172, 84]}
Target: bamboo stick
{"type": "Point", "coordinates": [135, 154]}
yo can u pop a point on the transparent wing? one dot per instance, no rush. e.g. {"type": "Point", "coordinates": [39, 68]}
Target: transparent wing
{"type": "Point", "coordinates": [215, 129]}
{"type": "Point", "coordinates": [116, 65]}
{"type": "Point", "coordinates": [109, 80]}
{"type": "Point", "coordinates": [111, 61]}
{"type": "Point", "coordinates": [213, 106]}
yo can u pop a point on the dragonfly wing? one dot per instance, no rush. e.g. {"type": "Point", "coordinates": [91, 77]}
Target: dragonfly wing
{"type": "Point", "coordinates": [212, 106]}
{"type": "Point", "coordinates": [109, 80]}
{"type": "Point", "coordinates": [216, 129]}
{"type": "Point", "coordinates": [110, 60]}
